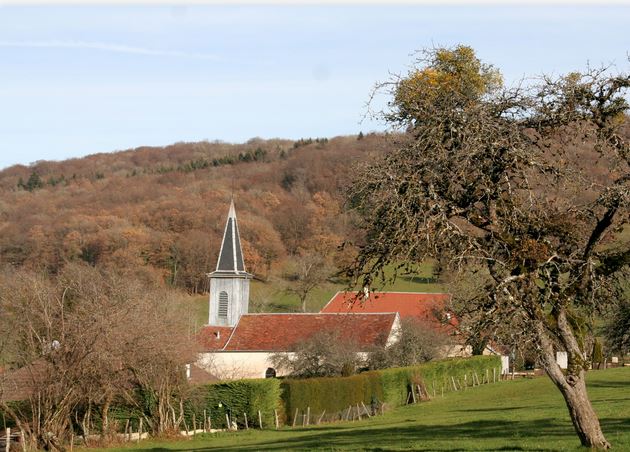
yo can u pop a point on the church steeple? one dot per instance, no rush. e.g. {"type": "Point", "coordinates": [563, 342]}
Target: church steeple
{"type": "Point", "coordinates": [229, 283]}
{"type": "Point", "coordinates": [231, 254]}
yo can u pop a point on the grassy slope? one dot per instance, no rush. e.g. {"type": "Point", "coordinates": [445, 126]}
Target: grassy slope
{"type": "Point", "coordinates": [519, 415]}
{"type": "Point", "coordinates": [270, 296]}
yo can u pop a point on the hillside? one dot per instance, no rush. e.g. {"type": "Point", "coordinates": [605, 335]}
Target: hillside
{"type": "Point", "coordinates": [160, 212]}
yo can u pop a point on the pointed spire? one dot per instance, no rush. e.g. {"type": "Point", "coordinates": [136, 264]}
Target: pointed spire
{"type": "Point", "coordinates": [231, 255]}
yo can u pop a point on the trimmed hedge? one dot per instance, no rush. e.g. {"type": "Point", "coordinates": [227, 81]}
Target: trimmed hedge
{"type": "Point", "coordinates": [435, 375]}
{"type": "Point", "coordinates": [330, 393]}
{"type": "Point", "coordinates": [391, 386]}
{"type": "Point", "coordinates": [236, 397]}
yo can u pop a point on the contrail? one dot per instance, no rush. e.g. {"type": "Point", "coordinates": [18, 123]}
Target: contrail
{"type": "Point", "coordinates": [108, 47]}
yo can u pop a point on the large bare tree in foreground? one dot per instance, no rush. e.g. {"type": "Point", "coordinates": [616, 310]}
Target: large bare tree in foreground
{"type": "Point", "coordinates": [85, 341]}
{"type": "Point", "coordinates": [528, 187]}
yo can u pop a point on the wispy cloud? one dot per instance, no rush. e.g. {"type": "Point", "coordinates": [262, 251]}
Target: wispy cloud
{"type": "Point", "coordinates": [108, 47]}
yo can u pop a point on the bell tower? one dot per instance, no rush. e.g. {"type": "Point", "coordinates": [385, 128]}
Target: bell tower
{"type": "Point", "coordinates": [229, 283]}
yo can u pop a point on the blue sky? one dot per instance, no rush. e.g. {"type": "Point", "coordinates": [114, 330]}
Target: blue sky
{"type": "Point", "coordinates": [77, 80]}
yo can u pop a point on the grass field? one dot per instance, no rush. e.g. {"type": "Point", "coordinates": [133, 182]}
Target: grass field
{"type": "Point", "coordinates": [271, 297]}
{"type": "Point", "coordinates": [524, 414]}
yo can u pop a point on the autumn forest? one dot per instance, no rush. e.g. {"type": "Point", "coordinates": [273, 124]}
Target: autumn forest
{"type": "Point", "coordinates": [159, 213]}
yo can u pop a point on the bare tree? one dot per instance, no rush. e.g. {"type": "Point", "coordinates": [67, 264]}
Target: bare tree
{"type": "Point", "coordinates": [417, 342]}
{"type": "Point", "coordinates": [525, 182]}
{"type": "Point", "coordinates": [323, 355]}
{"type": "Point", "coordinates": [88, 339]}
{"type": "Point", "coordinates": [305, 273]}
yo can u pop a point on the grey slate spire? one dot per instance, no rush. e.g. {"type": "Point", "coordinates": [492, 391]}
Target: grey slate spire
{"type": "Point", "coordinates": [231, 255]}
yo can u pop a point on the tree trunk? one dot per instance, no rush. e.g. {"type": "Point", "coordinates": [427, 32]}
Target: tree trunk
{"type": "Point", "coordinates": [573, 389]}
{"type": "Point", "coordinates": [303, 303]}
{"type": "Point", "coordinates": [105, 417]}
{"type": "Point", "coordinates": [584, 418]}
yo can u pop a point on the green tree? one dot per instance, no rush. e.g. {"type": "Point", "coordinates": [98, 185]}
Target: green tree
{"type": "Point", "coordinates": [617, 328]}
{"type": "Point", "coordinates": [508, 183]}
{"type": "Point", "coordinates": [34, 182]}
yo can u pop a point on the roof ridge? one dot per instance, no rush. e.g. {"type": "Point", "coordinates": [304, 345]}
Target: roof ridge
{"type": "Point", "coordinates": [231, 333]}
{"type": "Point", "coordinates": [395, 291]}
{"type": "Point", "coordinates": [313, 313]}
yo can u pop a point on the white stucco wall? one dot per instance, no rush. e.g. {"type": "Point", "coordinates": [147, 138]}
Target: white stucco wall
{"type": "Point", "coordinates": [236, 365]}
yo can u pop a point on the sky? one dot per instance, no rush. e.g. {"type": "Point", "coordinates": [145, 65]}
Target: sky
{"type": "Point", "coordinates": [77, 80]}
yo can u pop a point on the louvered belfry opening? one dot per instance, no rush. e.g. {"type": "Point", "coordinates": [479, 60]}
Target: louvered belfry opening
{"type": "Point", "coordinates": [223, 304]}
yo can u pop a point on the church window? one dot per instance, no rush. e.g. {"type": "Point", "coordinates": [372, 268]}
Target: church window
{"type": "Point", "coordinates": [223, 305]}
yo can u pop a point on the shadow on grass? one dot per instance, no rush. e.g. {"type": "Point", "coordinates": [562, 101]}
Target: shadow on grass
{"type": "Point", "coordinates": [493, 409]}
{"type": "Point", "coordinates": [609, 384]}
{"type": "Point", "coordinates": [419, 438]}
{"type": "Point", "coordinates": [419, 279]}
{"type": "Point", "coordinates": [609, 425]}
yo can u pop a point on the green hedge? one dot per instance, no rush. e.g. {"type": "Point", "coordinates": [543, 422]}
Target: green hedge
{"type": "Point", "coordinates": [236, 398]}
{"type": "Point", "coordinates": [391, 386]}
{"type": "Point", "coordinates": [330, 393]}
{"type": "Point", "coordinates": [436, 376]}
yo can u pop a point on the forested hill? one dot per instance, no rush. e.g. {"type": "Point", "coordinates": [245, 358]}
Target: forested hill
{"type": "Point", "coordinates": [160, 212]}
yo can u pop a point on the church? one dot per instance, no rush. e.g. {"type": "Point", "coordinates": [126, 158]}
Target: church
{"type": "Point", "coordinates": [238, 344]}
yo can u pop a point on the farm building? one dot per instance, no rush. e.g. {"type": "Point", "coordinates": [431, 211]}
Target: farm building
{"type": "Point", "coordinates": [237, 344]}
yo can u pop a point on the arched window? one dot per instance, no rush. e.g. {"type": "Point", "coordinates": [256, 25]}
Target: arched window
{"type": "Point", "coordinates": [270, 372]}
{"type": "Point", "coordinates": [223, 305]}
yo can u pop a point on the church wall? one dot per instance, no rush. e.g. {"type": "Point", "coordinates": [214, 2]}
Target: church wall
{"type": "Point", "coordinates": [237, 365]}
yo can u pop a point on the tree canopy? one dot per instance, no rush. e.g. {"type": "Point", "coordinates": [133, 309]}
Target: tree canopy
{"type": "Point", "coordinates": [520, 186]}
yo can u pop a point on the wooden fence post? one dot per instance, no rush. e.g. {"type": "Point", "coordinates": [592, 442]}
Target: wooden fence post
{"type": "Point", "coordinates": [140, 430]}
{"type": "Point", "coordinates": [246, 424]}
{"type": "Point", "coordinates": [308, 415]}
{"type": "Point", "coordinates": [205, 421]}
{"type": "Point", "coordinates": [275, 415]}
{"type": "Point", "coordinates": [295, 417]}
{"type": "Point", "coordinates": [260, 420]}
{"type": "Point", "coordinates": [227, 420]}
{"type": "Point", "coordinates": [366, 410]}
{"type": "Point", "coordinates": [194, 425]}
{"type": "Point", "coordinates": [7, 444]}
{"type": "Point", "coordinates": [321, 417]}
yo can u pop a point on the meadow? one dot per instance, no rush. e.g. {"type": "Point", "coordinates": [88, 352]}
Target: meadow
{"type": "Point", "coordinates": [525, 414]}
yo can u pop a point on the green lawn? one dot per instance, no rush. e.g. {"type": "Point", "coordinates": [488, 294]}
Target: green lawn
{"type": "Point", "coordinates": [271, 297]}
{"type": "Point", "coordinates": [514, 415]}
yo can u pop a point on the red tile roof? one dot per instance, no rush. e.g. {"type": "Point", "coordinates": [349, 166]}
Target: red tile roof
{"type": "Point", "coordinates": [214, 337]}
{"type": "Point", "coordinates": [20, 384]}
{"type": "Point", "coordinates": [200, 376]}
{"type": "Point", "coordinates": [419, 306]}
{"type": "Point", "coordinates": [283, 332]}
